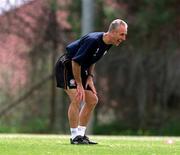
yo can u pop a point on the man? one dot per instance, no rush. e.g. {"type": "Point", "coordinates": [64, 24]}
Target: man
{"type": "Point", "coordinates": [74, 73]}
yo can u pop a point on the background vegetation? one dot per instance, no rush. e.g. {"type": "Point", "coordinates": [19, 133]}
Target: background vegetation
{"type": "Point", "coordinates": [137, 82]}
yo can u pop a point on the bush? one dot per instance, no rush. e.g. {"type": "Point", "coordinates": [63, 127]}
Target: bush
{"type": "Point", "coordinates": [172, 128]}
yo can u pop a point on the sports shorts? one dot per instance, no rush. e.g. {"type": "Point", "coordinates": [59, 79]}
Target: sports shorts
{"type": "Point", "coordinates": [64, 75]}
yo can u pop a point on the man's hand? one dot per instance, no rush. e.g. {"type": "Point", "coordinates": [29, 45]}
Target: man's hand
{"type": "Point", "coordinates": [90, 83]}
{"type": "Point", "coordinates": [80, 92]}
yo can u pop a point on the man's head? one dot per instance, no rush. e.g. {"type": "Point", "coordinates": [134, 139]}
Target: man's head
{"type": "Point", "coordinates": [117, 31]}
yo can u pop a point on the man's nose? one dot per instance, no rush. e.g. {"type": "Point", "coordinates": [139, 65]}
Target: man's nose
{"type": "Point", "coordinates": [124, 38]}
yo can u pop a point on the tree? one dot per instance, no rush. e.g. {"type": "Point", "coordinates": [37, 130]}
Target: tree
{"type": "Point", "coordinates": [42, 42]}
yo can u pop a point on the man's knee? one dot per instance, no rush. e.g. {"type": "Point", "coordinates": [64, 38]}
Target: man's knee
{"type": "Point", "coordinates": [92, 99]}
{"type": "Point", "coordinates": [95, 99]}
{"type": "Point", "coordinates": [73, 97]}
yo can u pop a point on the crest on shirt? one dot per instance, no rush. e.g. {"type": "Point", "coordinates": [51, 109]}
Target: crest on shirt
{"type": "Point", "coordinates": [96, 52]}
{"type": "Point", "coordinates": [72, 82]}
{"type": "Point", "coordinates": [105, 52]}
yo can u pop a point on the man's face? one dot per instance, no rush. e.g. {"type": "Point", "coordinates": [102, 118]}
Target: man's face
{"type": "Point", "coordinates": [119, 35]}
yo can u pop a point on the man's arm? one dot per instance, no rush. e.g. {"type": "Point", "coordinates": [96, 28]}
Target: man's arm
{"type": "Point", "coordinates": [89, 81]}
{"type": "Point", "coordinates": [91, 70]}
{"type": "Point", "coordinates": [76, 69]}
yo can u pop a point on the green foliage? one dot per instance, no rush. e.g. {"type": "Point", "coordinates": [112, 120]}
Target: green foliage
{"type": "Point", "coordinates": [143, 73]}
{"type": "Point", "coordinates": [53, 5]}
{"type": "Point", "coordinates": [153, 15]}
{"type": "Point", "coordinates": [75, 19]}
{"type": "Point", "coordinates": [8, 129]}
{"type": "Point", "coordinates": [37, 125]}
{"type": "Point", "coordinates": [172, 128]}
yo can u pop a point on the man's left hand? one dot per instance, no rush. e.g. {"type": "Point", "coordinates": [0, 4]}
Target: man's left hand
{"type": "Point", "coordinates": [90, 83]}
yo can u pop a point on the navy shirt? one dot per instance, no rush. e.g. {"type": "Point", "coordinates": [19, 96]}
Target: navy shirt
{"type": "Point", "coordinates": [88, 49]}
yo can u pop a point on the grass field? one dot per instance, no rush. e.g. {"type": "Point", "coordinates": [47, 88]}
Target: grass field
{"type": "Point", "coordinates": [108, 145]}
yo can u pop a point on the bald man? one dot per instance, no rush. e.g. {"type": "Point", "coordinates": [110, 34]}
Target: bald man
{"type": "Point", "coordinates": [75, 72]}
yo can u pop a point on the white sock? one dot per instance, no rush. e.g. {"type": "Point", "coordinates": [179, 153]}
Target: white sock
{"type": "Point", "coordinates": [74, 132]}
{"type": "Point", "coordinates": [81, 130]}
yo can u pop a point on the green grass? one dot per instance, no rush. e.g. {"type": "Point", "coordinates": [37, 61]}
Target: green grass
{"type": "Point", "coordinates": [11, 144]}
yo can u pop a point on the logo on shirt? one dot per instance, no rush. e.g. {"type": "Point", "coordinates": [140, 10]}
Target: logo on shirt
{"type": "Point", "coordinates": [72, 82]}
{"type": "Point", "coordinates": [105, 52]}
{"type": "Point", "coordinates": [96, 52]}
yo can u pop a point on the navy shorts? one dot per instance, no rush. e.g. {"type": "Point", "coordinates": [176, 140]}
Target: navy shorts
{"type": "Point", "coordinates": [64, 74]}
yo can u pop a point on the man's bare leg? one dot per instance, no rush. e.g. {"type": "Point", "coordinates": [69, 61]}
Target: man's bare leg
{"type": "Point", "coordinates": [82, 117]}
{"type": "Point", "coordinates": [85, 113]}
{"type": "Point", "coordinates": [73, 112]}
{"type": "Point", "coordinates": [89, 105]}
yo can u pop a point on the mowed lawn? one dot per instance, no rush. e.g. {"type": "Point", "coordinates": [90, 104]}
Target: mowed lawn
{"type": "Point", "coordinates": [18, 144]}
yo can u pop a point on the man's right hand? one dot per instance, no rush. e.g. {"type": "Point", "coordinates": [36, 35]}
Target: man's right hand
{"type": "Point", "coordinates": [80, 92]}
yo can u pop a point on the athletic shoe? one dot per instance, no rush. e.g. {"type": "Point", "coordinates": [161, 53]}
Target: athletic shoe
{"type": "Point", "coordinates": [79, 140]}
{"type": "Point", "coordinates": [87, 139]}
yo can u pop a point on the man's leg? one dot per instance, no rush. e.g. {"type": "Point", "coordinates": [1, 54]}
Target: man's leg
{"type": "Point", "coordinates": [73, 116]}
{"type": "Point", "coordinates": [73, 111]}
{"type": "Point", "coordinates": [89, 105]}
{"type": "Point", "coordinates": [85, 113]}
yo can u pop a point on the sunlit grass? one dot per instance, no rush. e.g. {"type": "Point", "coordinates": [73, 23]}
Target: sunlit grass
{"type": "Point", "coordinates": [108, 145]}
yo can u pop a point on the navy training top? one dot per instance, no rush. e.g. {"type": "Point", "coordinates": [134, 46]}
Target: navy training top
{"type": "Point", "coordinates": [88, 49]}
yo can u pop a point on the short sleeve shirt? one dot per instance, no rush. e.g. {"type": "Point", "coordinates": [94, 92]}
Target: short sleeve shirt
{"type": "Point", "coordinates": [88, 49]}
